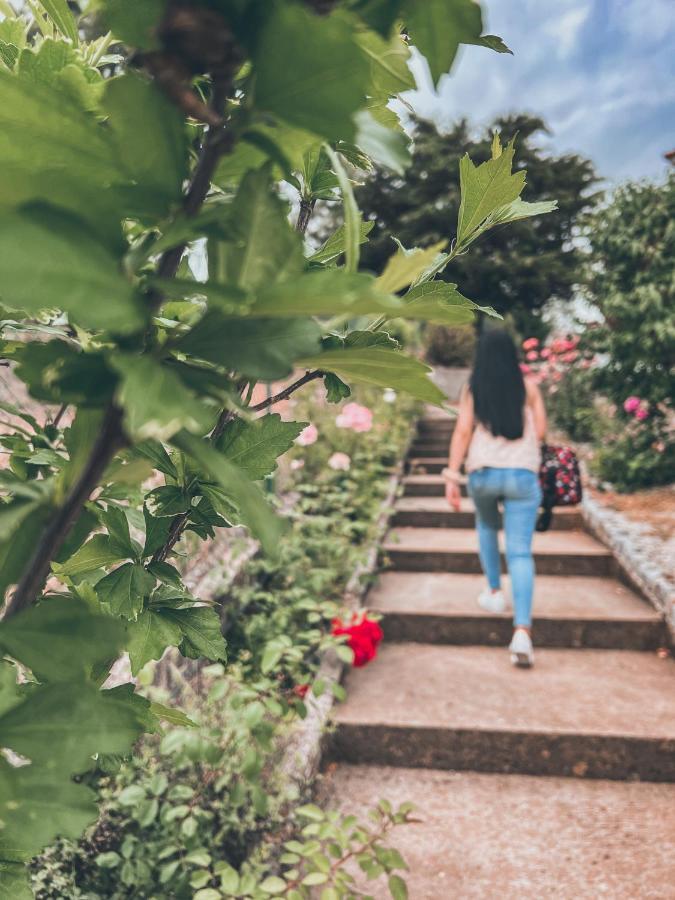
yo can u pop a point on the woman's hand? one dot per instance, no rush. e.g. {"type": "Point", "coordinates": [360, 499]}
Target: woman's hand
{"type": "Point", "coordinates": [453, 494]}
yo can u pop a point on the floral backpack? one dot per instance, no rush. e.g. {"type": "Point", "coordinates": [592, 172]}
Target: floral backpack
{"type": "Point", "coordinates": [560, 481]}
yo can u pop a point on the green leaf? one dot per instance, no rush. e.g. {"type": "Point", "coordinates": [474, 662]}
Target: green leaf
{"type": "Point", "coordinates": [35, 807]}
{"type": "Point", "coordinates": [124, 589]}
{"type": "Point", "coordinates": [14, 880]}
{"type": "Point", "coordinates": [149, 636]}
{"type": "Point", "coordinates": [383, 367]}
{"type": "Point", "coordinates": [61, 639]}
{"type": "Point", "coordinates": [492, 42]}
{"type": "Point", "coordinates": [98, 552]}
{"type": "Point", "coordinates": [52, 261]}
{"type": "Point", "coordinates": [255, 446]}
{"type": "Point", "coordinates": [201, 632]}
{"type": "Point", "coordinates": [438, 27]}
{"type": "Point", "coordinates": [150, 135]}
{"type": "Point", "coordinates": [398, 888]}
{"type": "Point", "coordinates": [115, 520]}
{"type": "Point", "coordinates": [519, 209]}
{"type": "Point", "coordinates": [336, 389]}
{"type": "Point", "coordinates": [156, 453]}
{"type": "Point", "coordinates": [255, 512]}
{"type": "Point", "coordinates": [134, 22]}
{"type": "Point", "coordinates": [310, 71]}
{"type": "Point", "coordinates": [60, 14]}
{"type": "Point", "coordinates": [405, 266]}
{"type": "Point", "coordinates": [79, 440]}
{"type": "Point", "coordinates": [172, 715]}
{"type": "Point", "coordinates": [351, 212]}
{"type": "Point", "coordinates": [440, 302]}
{"type": "Point", "coordinates": [264, 348]}
{"type": "Point", "coordinates": [17, 550]}
{"type": "Point", "coordinates": [389, 71]}
{"type": "Point", "coordinates": [325, 293]}
{"type": "Point", "coordinates": [334, 247]}
{"type": "Point", "coordinates": [83, 719]}
{"type": "Point", "coordinates": [266, 141]}
{"type": "Point", "coordinates": [156, 402]}
{"type": "Point", "coordinates": [157, 530]}
{"type": "Point", "coordinates": [264, 247]}
{"type": "Point", "coordinates": [485, 189]}
{"type": "Point", "coordinates": [381, 143]}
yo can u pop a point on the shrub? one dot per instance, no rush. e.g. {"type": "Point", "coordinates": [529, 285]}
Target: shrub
{"type": "Point", "coordinates": [450, 346]}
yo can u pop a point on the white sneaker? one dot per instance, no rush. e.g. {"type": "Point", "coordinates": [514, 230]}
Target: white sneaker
{"type": "Point", "coordinates": [492, 602]}
{"type": "Point", "coordinates": [521, 650]}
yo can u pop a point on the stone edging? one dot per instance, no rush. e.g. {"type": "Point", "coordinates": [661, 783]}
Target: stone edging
{"type": "Point", "coordinates": [637, 555]}
{"type": "Point", "coordinates": [302, 755]}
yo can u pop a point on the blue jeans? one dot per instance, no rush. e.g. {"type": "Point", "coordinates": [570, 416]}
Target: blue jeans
{"type": "Point", "coordinates": [520, 493]}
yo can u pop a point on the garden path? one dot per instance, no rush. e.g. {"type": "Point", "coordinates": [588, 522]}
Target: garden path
{"type": "Point", "coordinates": [553, 782]}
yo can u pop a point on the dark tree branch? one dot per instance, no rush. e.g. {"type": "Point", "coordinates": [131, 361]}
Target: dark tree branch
{"type": "Point", "coordinates": [305, 214]}
{"type": "Point", "coordinates": [286, 393]}
{"type": "Point", "coordinates": [111, 437]}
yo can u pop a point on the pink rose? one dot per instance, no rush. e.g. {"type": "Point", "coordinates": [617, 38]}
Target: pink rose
{"type": "Point", "coordinates": [340, 462]}
{"type": "Point", "coordinates": [354, 416]}
{"type": "Point", "coordinates": [308, 436]}
{"type": "Point", "coordinates": [531, 343]}
{"type": "Point", "coordinates": [532, 356]}
{"type": "Point", "coordinates": [630, 404]}
{"type": "Point", "coordinates": [525, 369]}
{"type": "Point", "coordinates": [642, 413]}
{"type": "Point", "coordinates": [545, 352]}
{"type": "Point", "coordinates": [570, 356]}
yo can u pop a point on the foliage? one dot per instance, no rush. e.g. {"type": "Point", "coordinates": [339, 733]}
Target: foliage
{"type": "Point", "coordinates": [205, 808]}
{"type": "Point", "coordinates": [150, 277]}
{"type": "Point", "coordinates": [515, 270]}
{"type": "Point", "coordinates": [450, 346]}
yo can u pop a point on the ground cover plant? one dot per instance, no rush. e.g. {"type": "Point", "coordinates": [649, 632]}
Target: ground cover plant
{"type": "Point", "coordinates": [150, 278]}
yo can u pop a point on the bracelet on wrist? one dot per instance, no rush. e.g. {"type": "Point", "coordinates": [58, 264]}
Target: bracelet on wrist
{"type": "Point", "coordinates": [451, 475]}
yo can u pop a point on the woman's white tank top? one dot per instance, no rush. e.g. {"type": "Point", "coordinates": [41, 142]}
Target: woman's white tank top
{"type": "Point", "coordinates": [488, 451]}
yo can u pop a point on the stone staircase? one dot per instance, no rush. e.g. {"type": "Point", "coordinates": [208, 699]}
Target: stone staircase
{"type": "Point", "coordinates": [443, 697]}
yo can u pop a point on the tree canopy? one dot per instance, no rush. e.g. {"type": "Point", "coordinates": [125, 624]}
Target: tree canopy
{"type": "Point", "coordinates": [515, 270]}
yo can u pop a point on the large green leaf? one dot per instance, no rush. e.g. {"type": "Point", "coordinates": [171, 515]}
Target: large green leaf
{"type": "Point", "coordinates": [58, 66]}
{"type": "Point", "coordinates": [52, 261]}
{"type": "Point", "coordinates": [335, 245]}
{"type": "Point", "coordinates": [124, 589]}
{"type": "Point", "coordinates": [264, 247]}
{"type": "Point", "coordinates": [201, 632]}
{"type": "Point", "coordinates": [133, 22]}
{"type": "Point", "coordinates": [440, 302]}
{"type": "Point", "coordinates": [384, 143]}
{"type": "Point", "coordinates": [405, 266]}
{"type": "Point", "coordinates": [61, 639]}
{"type": "Point", "coordinates": [310, 71]}
{"type": "Point", "coordinates": [381, 366]}
{"type": "Point", "coordinates": [156, 402]}
{"type": "Point", "coordinates": [61, 725]}
{"type": "Point", "coordinates": [98, 552]}
{"type": "Point", "coordinates": [485, 189]}
{"type": "Point", "coordinates": [324, 293]}
{"type": "Point", "coordinates": [255, 446]}
{"type": "Point", "coordinates": [149, 636]}
{"type": "Point", "coordinates": [388, 59]}
{"type": "Point", "coordinates": [438, 27]}
{"type": "Point", "coordinates": [59, 12]}
{"type": "Point", "coordinates": [14, 877]}
{"type": "Point", "coordinates": [257, 348]}
{"type": "Point", "coordinates": [150, 135]}
{"type": "Point", "coordinates": [254, 510]}
{"type": "Point", "coordinates": [53, 151]}
{"type": "Point", "coordinates": [272, 141]}
{"type": "Point", "coordinates": [36, 807]}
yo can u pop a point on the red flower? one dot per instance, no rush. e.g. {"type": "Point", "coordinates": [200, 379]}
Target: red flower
{"type": "Point", "coordinates": [300, 690]}
{"type": "Point", "coordinates": [364, 635]}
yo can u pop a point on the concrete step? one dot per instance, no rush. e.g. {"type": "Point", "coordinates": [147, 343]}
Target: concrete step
{"type": "Point", "coordinates": [513, 837]}
{"type": "Point", "coordinates": [423, 485]}
{"type": "Point", "coordinates": [427, 449]}
{"type": "Point", "coordinates": [426, 465]}
{"type": "Point", "coordinates": [434, 512]}
{"type": "Point", "coordinates": [584, 713]}
{"type": "Point", "coordinates": [456, 550]}
{"type": "Point", "coordinates": [570, 611]}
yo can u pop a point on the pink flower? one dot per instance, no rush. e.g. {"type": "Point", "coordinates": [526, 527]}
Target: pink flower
{"type": "Point", "coordinates": [340, 462]}
{"type": "Point", "coordinates": [630, 404]}
{"type": "Point", "coordinates": [525, 369]}
{"type": "Point", "coordinates": [570, 356]}
{"type": "Point", "coordinates": [531, 343]}
{"type": "Point", "coordinates": [308, 436]}
{"type": "Point", "coordinates": [532, 356]}
{"type": "Point", "coordinates": [642, 413]}
{"type": "Point", "coordinates": [356, 417]}
{"type": "Point", "coordinates": [545, 352]}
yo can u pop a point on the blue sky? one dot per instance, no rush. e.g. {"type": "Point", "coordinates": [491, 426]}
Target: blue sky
{"type": "Point", "coordinates": [600, 72]}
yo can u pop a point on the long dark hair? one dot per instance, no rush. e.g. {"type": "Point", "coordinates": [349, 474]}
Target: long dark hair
{"type": "Point", "coordinates": [497, 385]}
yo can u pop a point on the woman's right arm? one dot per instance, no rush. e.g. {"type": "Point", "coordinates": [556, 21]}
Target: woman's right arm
{"type": "Point", "coordinates": [536, 401]}
{"type": "Point", "coordinates": [461, 438]}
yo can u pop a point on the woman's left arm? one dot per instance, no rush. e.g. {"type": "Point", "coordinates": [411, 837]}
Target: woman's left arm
{"type": "Point", "coordinates": [459, 445]}
{"type": "Point", "coordinates": [538, 410]}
